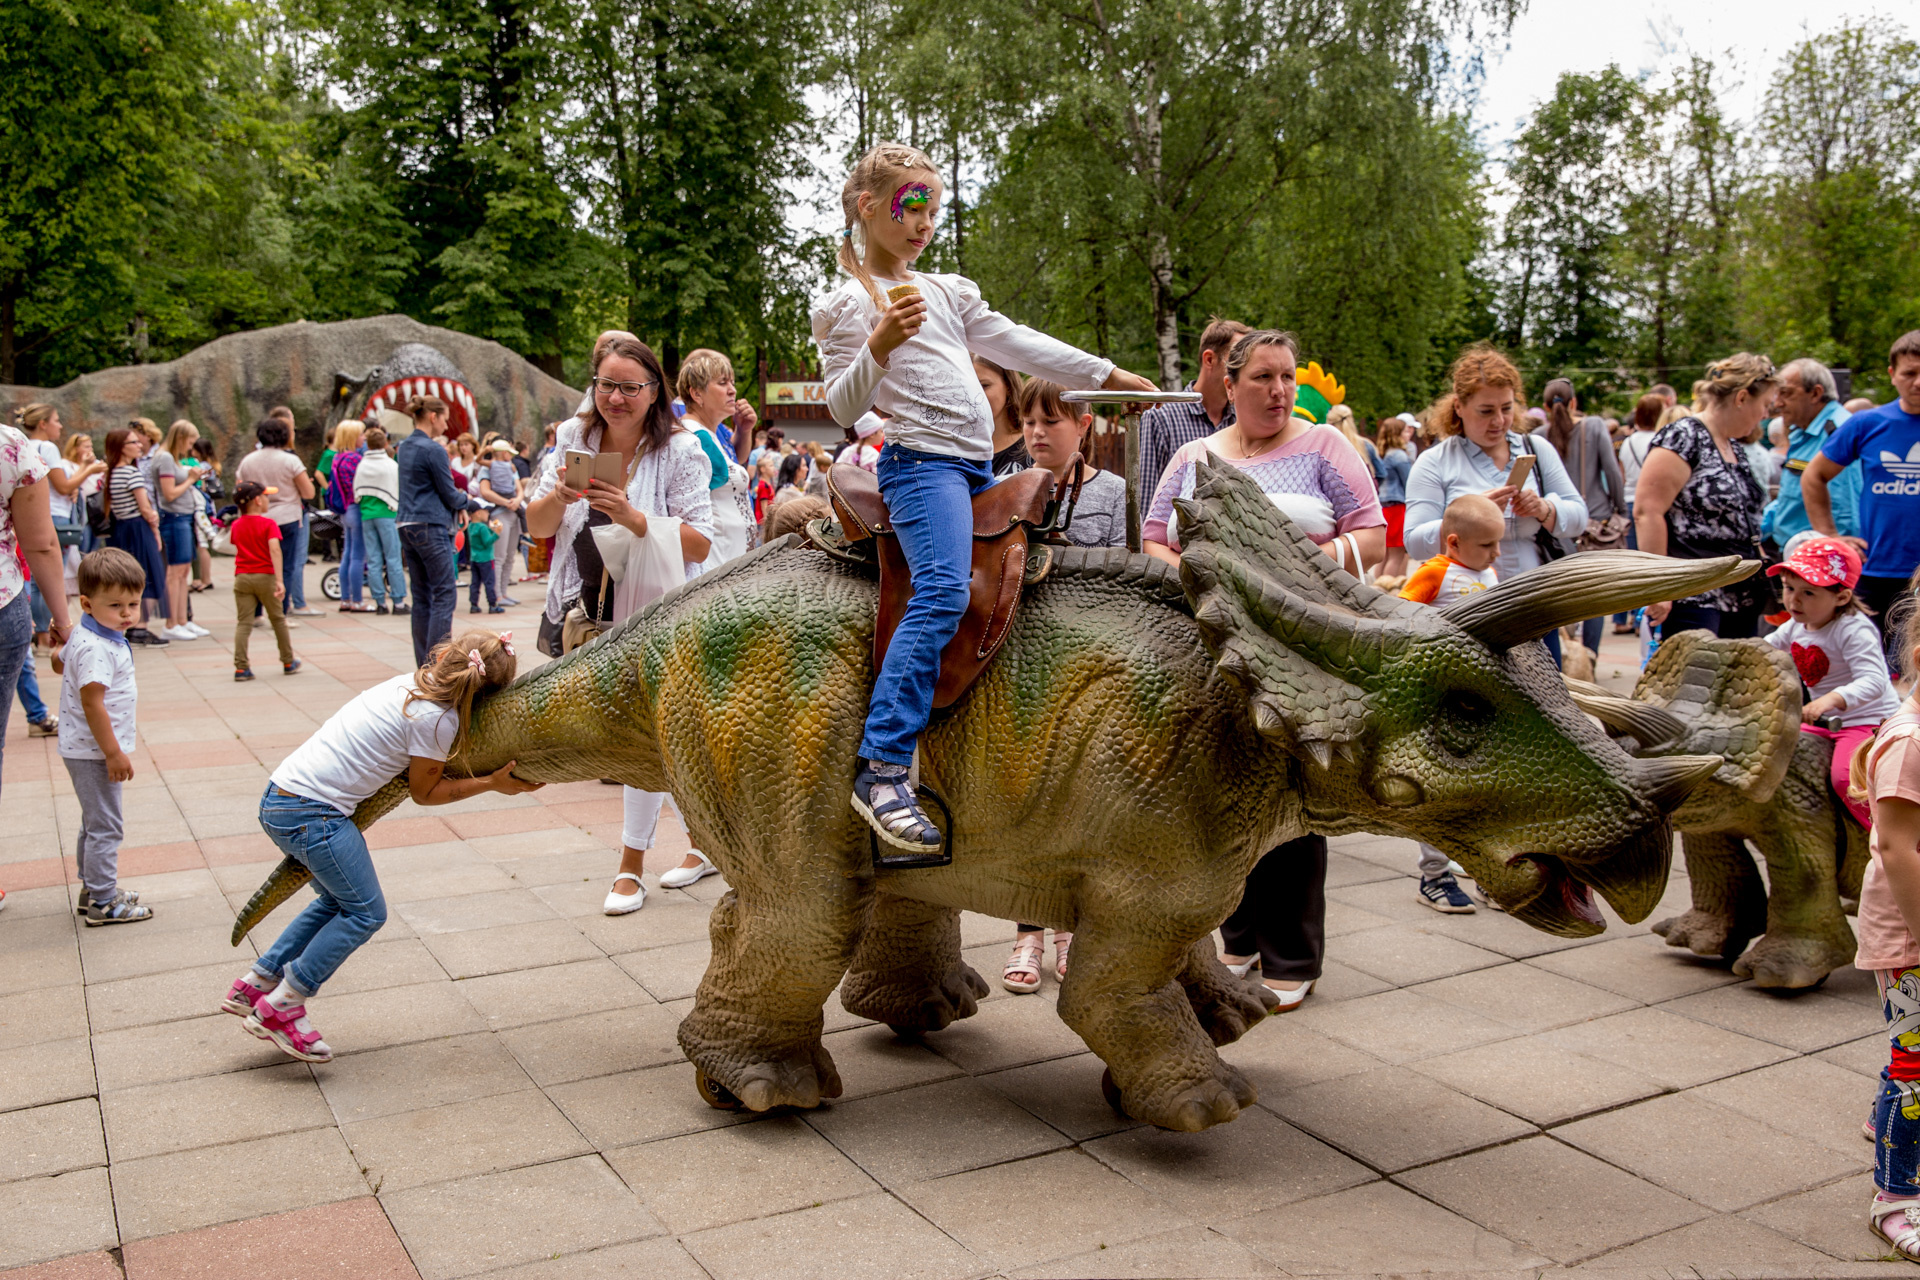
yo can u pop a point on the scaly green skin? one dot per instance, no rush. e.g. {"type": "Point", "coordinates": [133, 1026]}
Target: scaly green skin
{"type": "Point", "coordinates": [1741, 699]}
{"type": "Point", "coordinates": [1118, 769]}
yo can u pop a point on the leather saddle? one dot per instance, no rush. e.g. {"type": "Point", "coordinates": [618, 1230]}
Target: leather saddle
{"type": "Point", "coordinates": [1006, 518]}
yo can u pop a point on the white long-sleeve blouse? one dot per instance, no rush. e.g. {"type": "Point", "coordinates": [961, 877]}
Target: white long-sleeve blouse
{"type": "Point", "coordinates": [928, 385]}
{"type": "Point", "coordinates": [1458, 466]}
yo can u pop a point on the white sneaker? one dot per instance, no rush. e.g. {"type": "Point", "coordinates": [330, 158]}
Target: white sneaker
{"type": "Point", "coordinates": [196, 628]}
{"type": "Point", "coordinates": [619, 904]}
{"type": "Point", "coordinates": [180, 633]}
{"type": "Point", "coordinates": [681, 877]}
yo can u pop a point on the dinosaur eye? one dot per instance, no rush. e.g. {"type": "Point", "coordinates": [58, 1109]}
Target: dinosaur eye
{"type": "Point", "coordinates": [1460, 720]}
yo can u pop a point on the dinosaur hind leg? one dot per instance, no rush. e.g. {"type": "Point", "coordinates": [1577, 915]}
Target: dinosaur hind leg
{"type": "Point", "coordinates": [1225, 1005]}
{"type": "Point", "coordinates": [1729, 900]}
{"type": "Point", "coordinates": [1807, 935]}
{"type": "Point", "coordinates": [1126, 994]}
{"type": "Point", "coordinates": [907, 970]}
{"type": "Point", "coordinates": [756, 1020]}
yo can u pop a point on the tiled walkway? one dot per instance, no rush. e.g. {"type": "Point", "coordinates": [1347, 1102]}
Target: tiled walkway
{"type": "Point", "coordinates": [1461, 1094]}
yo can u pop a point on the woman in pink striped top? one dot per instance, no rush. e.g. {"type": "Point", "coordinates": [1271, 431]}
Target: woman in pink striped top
{"type": "Point", "coordinates": [1313, 474]}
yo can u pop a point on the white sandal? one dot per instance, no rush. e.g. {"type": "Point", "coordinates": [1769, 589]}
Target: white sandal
{"type": "Point", "coordinates": [1028, 949]}
{"type": "Point", "coordinates": [619, 904]}
{"type": "Point", "coordinates": [1905, 1233]}
{"type": "Point", "coordinates": [1242, 969]}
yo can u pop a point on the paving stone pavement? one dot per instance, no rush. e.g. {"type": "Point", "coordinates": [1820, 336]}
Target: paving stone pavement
{"type": "Point", "coordinates": [1461, 1095]}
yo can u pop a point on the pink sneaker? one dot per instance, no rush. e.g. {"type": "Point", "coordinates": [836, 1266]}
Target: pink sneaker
{"type": "Point", "coordinates": [240, 998]}
{"type": "Point", "coordinates": [290, 1030]}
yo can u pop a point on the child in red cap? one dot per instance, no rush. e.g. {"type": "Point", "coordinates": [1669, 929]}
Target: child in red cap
{"type": "Point", "coordinates": [1837, 652]}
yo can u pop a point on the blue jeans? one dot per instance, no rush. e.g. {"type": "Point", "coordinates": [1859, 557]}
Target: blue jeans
{"type": "Point", "coordinates": [28, 687]}
{"type": "Point", "coordinates": [930, 498]}
{"type": "Point", "coordinates": [293, 549]}
{"type": "Point", "coordinates": [350, 907]}
{"type": "Point", "coordinates": [382, 544]}
{"type": "Point", "coordinates": [427, 550]}
{"type": "Point", "coordinates": [353, 556]}
{"type": "Point", "coordinates": [16, 650]}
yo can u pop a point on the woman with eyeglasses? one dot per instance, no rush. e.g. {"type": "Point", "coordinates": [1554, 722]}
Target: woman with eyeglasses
{"type": "Point", "coordinates": [628, 412]}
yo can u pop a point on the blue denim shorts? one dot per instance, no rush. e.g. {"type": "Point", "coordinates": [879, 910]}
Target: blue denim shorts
{"type": "Point", "coordinates": [176, 537]}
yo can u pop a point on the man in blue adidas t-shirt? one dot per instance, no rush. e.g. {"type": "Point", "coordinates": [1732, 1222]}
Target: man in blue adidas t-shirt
{"type": "Point", "coordinates": [1886, 440]}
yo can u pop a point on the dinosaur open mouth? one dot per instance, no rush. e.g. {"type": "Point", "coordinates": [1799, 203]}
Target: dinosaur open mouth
{"type": "Point", "coordinates": [1563, 905]}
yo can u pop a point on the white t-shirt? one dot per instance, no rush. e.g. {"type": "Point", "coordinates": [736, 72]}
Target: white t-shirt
{"type": "Point", "coordinates": [366, 744]}
{"type": "Point", "coordinates": [929, 386]}
{"type": "Point", "coordinates": [1633, 456]}
{"type": "Point", "coordinates": [1842, 657]}
{"type": "Point", "coordinates": [92, 658]}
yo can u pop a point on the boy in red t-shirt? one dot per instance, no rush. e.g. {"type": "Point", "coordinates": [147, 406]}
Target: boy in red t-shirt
{"type": "Point", "coordinates": [257, 578]}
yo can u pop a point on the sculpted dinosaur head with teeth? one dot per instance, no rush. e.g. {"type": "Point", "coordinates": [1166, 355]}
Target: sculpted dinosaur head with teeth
{"type": "Point", "coordinates": [1445, 725]}
{"type": "Point", "coordinates": [416, 369]}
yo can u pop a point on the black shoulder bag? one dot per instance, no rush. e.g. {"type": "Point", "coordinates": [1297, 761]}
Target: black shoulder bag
{"type": "Point", "coordinates": [1543, 540]}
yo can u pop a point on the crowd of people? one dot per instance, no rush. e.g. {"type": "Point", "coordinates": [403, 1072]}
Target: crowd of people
{"type": "Point", "coordinates": [942, 397]}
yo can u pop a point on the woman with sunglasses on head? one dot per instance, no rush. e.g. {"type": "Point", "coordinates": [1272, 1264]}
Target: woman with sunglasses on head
{"type": "Point", "coordinates": [627, 412]}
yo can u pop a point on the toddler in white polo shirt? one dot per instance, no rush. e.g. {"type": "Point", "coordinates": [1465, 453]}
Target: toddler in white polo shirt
{"type": "Point", "coordinates": [97, 701]}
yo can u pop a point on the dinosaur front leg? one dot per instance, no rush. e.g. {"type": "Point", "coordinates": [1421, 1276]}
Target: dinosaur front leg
{"type": "Point", "coordinates": [1729, 900]}
{"type": "Point", "coordinates": [1807, 935]}
{"type": "Point", "coordinates": [907, 971]}
{"type": "Point", "coordinates": [755, 1025]}
{"type": "Point", "coordinates": [1125, 996]}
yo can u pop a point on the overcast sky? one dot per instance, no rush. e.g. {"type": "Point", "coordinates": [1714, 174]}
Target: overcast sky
{"type": "Point", "coordinates": [1556, 36]}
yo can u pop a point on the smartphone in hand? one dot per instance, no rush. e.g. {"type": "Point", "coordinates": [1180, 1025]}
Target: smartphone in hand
{"type": "Point", "coordinates": [579, 469]}
{"type": "Point", "coordinates": [1522, 468]}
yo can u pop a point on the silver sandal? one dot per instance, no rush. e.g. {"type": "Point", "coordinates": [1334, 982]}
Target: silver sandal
{"type": "Point", "coordinates": [1028, 949]}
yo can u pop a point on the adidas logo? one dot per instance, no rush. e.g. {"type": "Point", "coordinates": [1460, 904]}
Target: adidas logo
{"type": "Point", "coordinates": [1907, 468]}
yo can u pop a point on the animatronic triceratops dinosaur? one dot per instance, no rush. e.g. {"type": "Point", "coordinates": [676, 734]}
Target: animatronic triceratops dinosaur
{"type": "Point", "coordinates": [1741, 699]}
{"type": "Point", "coordinates": [1117, 771]}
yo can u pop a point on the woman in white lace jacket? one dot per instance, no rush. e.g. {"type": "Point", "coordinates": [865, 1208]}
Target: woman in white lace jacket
{"type": "Point", "coordinates": [667, 476]}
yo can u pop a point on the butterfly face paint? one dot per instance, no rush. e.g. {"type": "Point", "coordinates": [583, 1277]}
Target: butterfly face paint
{"type": "Point", "coordinates": [914, 195]}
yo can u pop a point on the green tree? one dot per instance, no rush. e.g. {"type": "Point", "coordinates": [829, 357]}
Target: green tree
{"type": "Point", "coordinates": [1562, 303]}
{"type": "Point", "coordinates": [691, 121]}
{"type": "Point", "coordinates": [456, 121]}
{"type": "Point", "coordinates": [1676, 259]}
{"type": "Point", "coordinates": [1835, 226]}
{"type": "Point", "coordinates": [100, 112]}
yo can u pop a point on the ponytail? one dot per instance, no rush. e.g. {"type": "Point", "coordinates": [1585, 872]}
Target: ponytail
{"type": "Point", "coordinates": [462, 669]}
{"type": "Point", "coordinates": [875, 173]}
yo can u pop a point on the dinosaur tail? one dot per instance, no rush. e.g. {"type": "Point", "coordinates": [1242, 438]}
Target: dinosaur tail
{"type": "Point", "coordinates": [286, 879]}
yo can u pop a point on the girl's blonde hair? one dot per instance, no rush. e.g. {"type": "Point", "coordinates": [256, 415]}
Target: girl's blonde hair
{"type": "Point", "coordinates": [346, 436]}
{"type": "Point", "coordinates": [460, 670]}
{"type": "Point", "coordinates": [180, 438]}
{"type": "Point", "coordinates": [878, 173]}
{"type": "Point", "coordinates": [1340, 418]}
{"type": "Point", "coordinates": [71, 448]}
{"type": "Point", "coordinates": [146, 427]}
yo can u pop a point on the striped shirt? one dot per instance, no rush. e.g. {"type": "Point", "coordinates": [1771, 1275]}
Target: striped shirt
{"type": "Point", "coordinates": [122, 484]}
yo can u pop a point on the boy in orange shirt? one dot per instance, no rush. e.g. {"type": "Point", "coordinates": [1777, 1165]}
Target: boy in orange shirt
{"type": "Point", "coordinates": [1470, 531]}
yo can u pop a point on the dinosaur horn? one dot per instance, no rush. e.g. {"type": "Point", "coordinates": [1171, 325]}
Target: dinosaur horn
{"type": "Point", "coordinates": [1649, 724]}
{"type": "Point", "coordinates": [1666, 781]}
{"type": "Point", "coordinates": [1531, 604]}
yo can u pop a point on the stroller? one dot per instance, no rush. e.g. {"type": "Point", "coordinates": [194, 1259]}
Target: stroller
{"type": "Point", "coordinates": [326, 539]}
